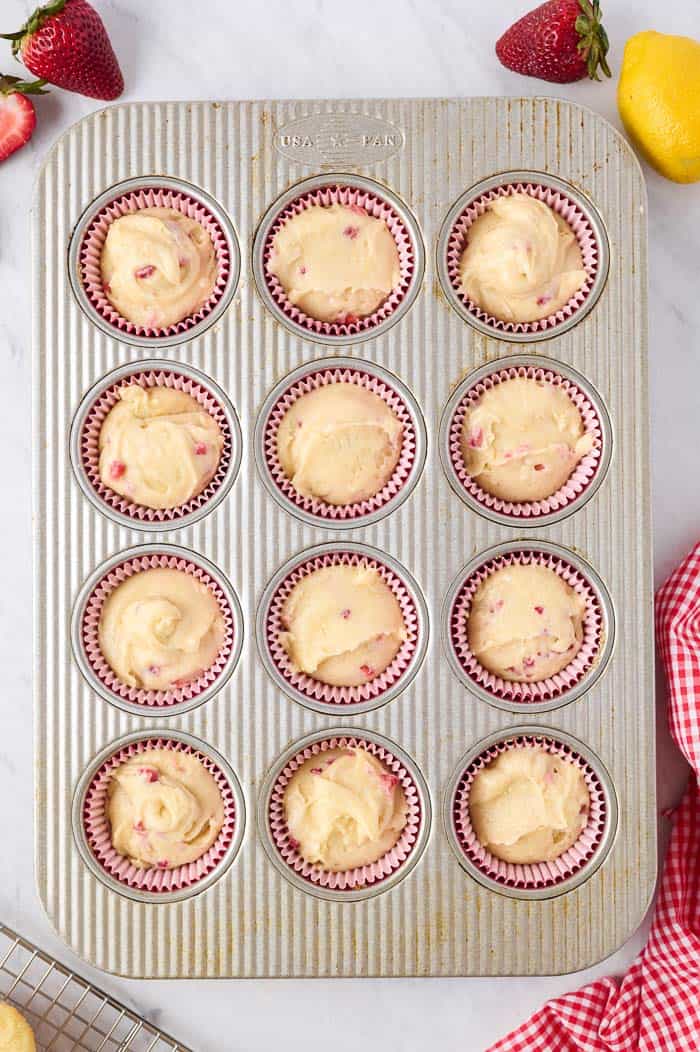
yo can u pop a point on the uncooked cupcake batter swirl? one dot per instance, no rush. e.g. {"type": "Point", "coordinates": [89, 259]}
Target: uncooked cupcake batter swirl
{"type": "Point", "coordinates": [158, 267]}
{"type": "Point", "coordinates": [528, 805]}
{"type": "Point", "coordinates": [523, 439]}
{"type": "Point", "coordinates": [522, 261]}
{"type": "Point", "coordinates": [339, 443]}
{"type": "Point", "coordinates": [525, 623]}
{"type": "Point", "coordinates": [335, 263]}
{"type": "Point", "coordinates": [164, 809]}
{"type": "Point", "coordinates": [343, 625]}
{"type": "Point", "coordinates": [158, 447]}
{"type": "Point", "coordinates": [344, 809]}
{"type": "Point", "coordinates": [161, 628]}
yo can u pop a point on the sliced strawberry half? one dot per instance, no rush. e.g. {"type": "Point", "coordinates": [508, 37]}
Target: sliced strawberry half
{"type": "Point", "coordinates": [17, 115]}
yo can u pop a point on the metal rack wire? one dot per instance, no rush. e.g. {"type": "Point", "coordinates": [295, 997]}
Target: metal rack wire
{"type": "Point", "coordinates": [66, 1011]}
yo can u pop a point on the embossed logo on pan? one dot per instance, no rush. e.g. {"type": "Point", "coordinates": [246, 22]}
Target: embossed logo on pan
{"type": "Point", "coordinates": [339, 138]}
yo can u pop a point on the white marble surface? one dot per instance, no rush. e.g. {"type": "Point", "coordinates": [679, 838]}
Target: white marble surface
{"type": "Point", "coordinates": [314, 48]}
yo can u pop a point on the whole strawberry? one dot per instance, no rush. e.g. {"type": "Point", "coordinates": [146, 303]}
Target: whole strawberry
{"type": "Point", "coordinates": [66, 43]}
{"type": "Point", "coordinates": [17, 116]}
{"type": "Point", "coordinates": [560, 41]}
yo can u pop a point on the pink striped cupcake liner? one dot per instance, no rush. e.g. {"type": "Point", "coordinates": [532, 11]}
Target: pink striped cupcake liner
{"type": "Point", "coordinates": [89, 444]}
{"type": "Point", "coordinates": [584, 473]}
{"type": "Point", "coordinates": [543, 690]}
{"type": "Point", "coordinates": [565, 207]}
{"type": "Point", "coordinates": [157, 700]}
{"type": "Point", "coordinates": [372, 875]}
{"type": "Point", "coordinates": [305, 687]}
{"type": "Point", "coordinates": [156, 880]}
{"type": "Point", "coordinates": [535, 875]}
{"type": "Point", "coordinates": [401, 477]}
{"type": "Point", "coordinates": [371, 203]}
{"type": "Point", "coordinates": [90, 256]}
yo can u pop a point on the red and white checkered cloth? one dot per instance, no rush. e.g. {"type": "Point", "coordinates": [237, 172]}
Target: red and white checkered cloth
{"type": "Point", "coordinates": [656, 1008]}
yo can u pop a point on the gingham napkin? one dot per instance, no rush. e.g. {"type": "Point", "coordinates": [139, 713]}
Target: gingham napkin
{"type": "Point", "coordinates": [656, 1008]}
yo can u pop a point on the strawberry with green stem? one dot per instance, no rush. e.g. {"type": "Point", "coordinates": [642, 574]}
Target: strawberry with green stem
{"type": "Point", "coordinates": [65, 42]}
{"type": "Point", "coordinates": [560, 41]}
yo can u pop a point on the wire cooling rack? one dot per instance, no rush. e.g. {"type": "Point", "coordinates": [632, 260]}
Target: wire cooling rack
{"type": "Point", "coordinates": [67, 1012]}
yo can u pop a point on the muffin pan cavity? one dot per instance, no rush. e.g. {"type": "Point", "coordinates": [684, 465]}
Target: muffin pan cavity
{"type": "Point", "coordinates": [543, 880]}
{"type": "Point", "coordinates": [585, 479]}
{"type": "Point", "coordinates": [567, 202]}
{"type": "Point", "coordinates": [364, 882]}
{"type": "Point", "coordinates": [575, 679]}
{"type": "Point", "coordinates": [85, 443]}
{"type": "Point", "coordinates": [369, 377]}
{"type": "Point", "coordinates": [353, 191]}
{"type": "Point", "coordinates": [93, 838]}
{"type": "Point", "coordinates": [85, 626]}
{"type": "Point", "coordinates": [381, 687]}
{"type": "Point", "coordinates": [128, 197]}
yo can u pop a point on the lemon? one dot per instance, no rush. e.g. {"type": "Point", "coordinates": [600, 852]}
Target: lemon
{"type": "Point", "coordinates": [659, 102]}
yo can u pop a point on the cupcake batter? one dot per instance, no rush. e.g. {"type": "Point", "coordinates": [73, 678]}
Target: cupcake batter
{"type": "Point", "coordinates": [345, 809]}
{"type": "Point", "coordinates": [158, 447]}
{"type": "Point", "coordinates": [343, 625]}
{"type": "Point", "coordinates": [158, 267]}
{"type": "Point", "coordinates": [165, 809]}
{"type": "Point", "coordinates": [523, 439]}
{"type": "Point", "coordinates": [335, 263]}
{"type": "Point", "coordinates": [16, 1035]}
{"type": "Point", "coordinates": [528, 805]}
{"type": "Point", "coordinates": [339, 443]}
{"type": "Point", "coordinates": [525, 623]}
{"type": "Point", "coordinates": [161, 628]}
{"type": "Point", "coordinates": [522, 261]}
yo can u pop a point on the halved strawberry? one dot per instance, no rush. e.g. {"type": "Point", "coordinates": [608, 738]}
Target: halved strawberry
{"type": "Point", "coordinates": [66, 43]}
{"type": "Point", "coordinates": [17, 116]}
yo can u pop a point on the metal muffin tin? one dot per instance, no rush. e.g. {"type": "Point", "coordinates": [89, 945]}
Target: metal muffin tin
{"type": "Point", "coordinates": [242, 159]}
